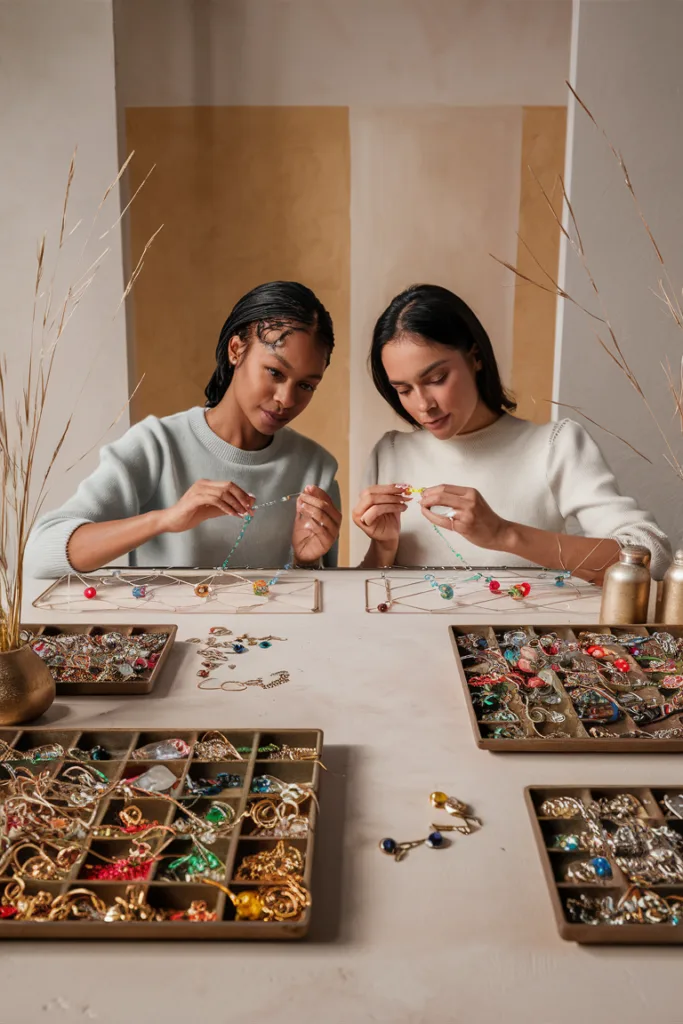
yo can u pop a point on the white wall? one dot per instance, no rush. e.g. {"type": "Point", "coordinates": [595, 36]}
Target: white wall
{"type": "Point", "coordinates": [57, 91]}
{"type": "Point", "coordinates": [627, 69]}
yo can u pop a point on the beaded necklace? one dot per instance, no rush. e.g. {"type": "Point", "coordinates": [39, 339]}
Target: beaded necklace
{"type": "Point", "coordinates": [261, 588]}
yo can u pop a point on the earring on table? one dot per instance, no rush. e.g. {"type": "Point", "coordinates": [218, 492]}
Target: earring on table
{"type": "Point", "coordinates": [385, 605]}
{"type": "Point", "coordinates": [399, 850]}
{"type": "Point", "coordinates": [456, 808]}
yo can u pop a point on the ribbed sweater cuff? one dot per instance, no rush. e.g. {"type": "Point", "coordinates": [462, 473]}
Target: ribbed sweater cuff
{"type": "Point", "coordinates": [52, 561]}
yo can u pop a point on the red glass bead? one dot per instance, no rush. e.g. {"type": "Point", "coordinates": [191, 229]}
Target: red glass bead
{"type": "Point", "coordinates": [8, 911]}
{"type": "Point", "coordinates": [90, 592]}
{"type": "Point", "coordinates": [382, 607]}
{"type": "Point", "coordinates": [621, 665]}
{"type": "Point", "coordinates": [494, 586]}
{"type": "Point", "coordinates": [535, 682]}
{"type": "Point", "coordinates": [595, 651]}
{"type": "Point", "coordinates": [525, 588]}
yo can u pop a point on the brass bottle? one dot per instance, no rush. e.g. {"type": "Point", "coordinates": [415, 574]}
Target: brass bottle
{"type": "Point", "coordinates": [671, 609]}
{"type": "Point", "coordinates": [626, 588]}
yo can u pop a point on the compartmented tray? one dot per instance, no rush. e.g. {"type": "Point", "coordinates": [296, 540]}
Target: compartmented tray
{"type": "Point", "coordinates": [142, 682]}
{"type": "Point", "coordinates": [158, 892]}
{"type": "Point", "coordinates": [556, 860]}
{"type": "Point", "coordinates": [572, 734]}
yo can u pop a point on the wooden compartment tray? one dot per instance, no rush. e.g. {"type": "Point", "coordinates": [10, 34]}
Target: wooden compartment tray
{"type": "Point", "coordinates": [555, 862]}
{"type": "Point", "coordinates": [143, 682]}
{"type": "Point", "coordinates": [158, 892]}
{"type": "Point", "coordinates": [539, 737]}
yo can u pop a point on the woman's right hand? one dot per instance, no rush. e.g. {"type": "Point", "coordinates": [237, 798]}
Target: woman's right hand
{"type": "Point", "coordinates": [206, 499]}
{"type": "Point", "coordinates": [379, 510]}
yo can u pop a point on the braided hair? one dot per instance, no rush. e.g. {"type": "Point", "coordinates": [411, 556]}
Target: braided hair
{"type": "Point", "coordinates": [272, 311]}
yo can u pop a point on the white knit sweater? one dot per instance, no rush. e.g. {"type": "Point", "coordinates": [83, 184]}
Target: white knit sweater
{"type": "Point", "coordinates": [551, 476]}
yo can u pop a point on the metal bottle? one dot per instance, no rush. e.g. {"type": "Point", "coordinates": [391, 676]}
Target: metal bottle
{"type": "Point", "coordinates": [626, 588]}
{"type": "Point", "coordinates": [671, 608]}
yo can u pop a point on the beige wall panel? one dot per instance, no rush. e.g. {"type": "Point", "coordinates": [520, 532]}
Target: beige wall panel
{"type": "Point", "coordinates": [435, 190]}
{"type": "Point", "coordinates": [543, 143]}
{"type": "Point", "coordinates": [246, 195]}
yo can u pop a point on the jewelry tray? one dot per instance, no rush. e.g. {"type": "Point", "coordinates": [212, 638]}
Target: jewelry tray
{"type": "Point", "coordinates": [579, 741]}
{"type": "Point", "coordinates": [144, 682]}
{"type": "Point", "coordinates": [166, 893]}
{"type": "Point", "coordinates": [555, 861]}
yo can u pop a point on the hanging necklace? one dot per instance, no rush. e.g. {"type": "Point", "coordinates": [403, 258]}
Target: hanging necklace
{"type": "Point", "coordinates": [261, 588]}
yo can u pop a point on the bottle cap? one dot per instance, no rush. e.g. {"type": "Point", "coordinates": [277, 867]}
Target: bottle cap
{"type": "Point", "coordinates": [635, 554]}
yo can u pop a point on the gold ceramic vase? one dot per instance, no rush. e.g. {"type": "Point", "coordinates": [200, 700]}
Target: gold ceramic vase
{"type": "Point", "coordinates": [27, 688]}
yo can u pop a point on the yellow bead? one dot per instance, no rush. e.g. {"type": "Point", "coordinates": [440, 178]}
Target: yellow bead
{"type": "Point", "coordinates": [438, 799]}
{"type": "Point", "coordinates": [260, 588]}
{"type": "Point", "coordinates": [201, 590]}
{"type": "Point", "coordinates": [248, 906]}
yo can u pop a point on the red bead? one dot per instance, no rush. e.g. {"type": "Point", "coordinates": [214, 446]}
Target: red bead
{"type": "Point", "coordinates": [525, 588]}
{"type": "Point", "coordinates": [621, 665]}
{"type": "Point", "coordinates": [494, 586]}
{"type": "Point", "coordinates": [8, 911]}
{"type": "Point", "coordinates": [535, 682]}
{"type": "Point", "coordinates": [595, 651]}
{"type": "Point", "coordinates": [382, 607]}
{"type": "Point", "coordinates": [90, 592]}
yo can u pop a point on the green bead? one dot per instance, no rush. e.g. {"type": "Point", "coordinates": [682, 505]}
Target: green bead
{"type": "Point", "coordinates": [216, 815]}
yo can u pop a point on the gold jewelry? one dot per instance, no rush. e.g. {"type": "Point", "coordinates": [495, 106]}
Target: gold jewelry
{"type": "Point", "coordinates": [562, 807]}
{"type": "Point", "coordinates": [214, 746]}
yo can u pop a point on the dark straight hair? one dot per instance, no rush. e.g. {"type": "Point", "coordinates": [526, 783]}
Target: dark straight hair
{"type": "Point", "coordinates": [438, 315]}
{"type": "Point", "coordinates": [277, 305]}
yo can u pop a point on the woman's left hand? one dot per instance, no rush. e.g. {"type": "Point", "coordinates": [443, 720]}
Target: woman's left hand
{"type": "Point", "coordinates": [470, 516]}
{"type": "Point", "coordinates": [316, 526]}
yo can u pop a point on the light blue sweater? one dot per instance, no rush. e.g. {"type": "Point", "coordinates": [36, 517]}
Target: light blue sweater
{"type": "Point", "coordinates": [152, 466]}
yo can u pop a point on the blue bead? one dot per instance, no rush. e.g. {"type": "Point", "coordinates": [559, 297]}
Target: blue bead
{"type": "Point", "coordinates": [435, 840]}
{"type": "Point", "coordinates": [675, 919]}
{"type": "Point", "coordinates": [265, 644]}
{"type": "Point", "coordinates": [238, 648]}
{"type": "Point", "coordinates": [602, 867]}
{"type": "Point", "coordinates": [139, 591]}
{"type": "Point", "coordinates": [571, 843]}
{"type": "Point", "coordinates": [388, 846]}
{"type": "Point", "coordinates": [446, 591]}
{"type": "Point", "coordinates": [559, 582]}
{"type": "Point", "coordinates": [481, 642]}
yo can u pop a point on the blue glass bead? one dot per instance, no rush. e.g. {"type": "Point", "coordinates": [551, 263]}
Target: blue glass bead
{"type": "Point", "coordinates": [265, 644]}
{"type": "Point", "coordinates": [675, 919]}
{"type": "Point", "coordinates": [571, 843]}
{"type": "Point", "coordinates": [388, 846]}
{"type": "Point", "coordinates": [446, 591]}
{"type": "Point", "coordinates": [260, 785]}
{"type": "Point", "coordinates": [435, 840]}
{"type": "Point", "coordinates": [139, 591]}
{"type": "Point", "coordinates": [559, 582]}
{"type": "Point", "coordinates": [238, 648]}
{"type": "Point", "coordinates": [511, 654]}
{"type": "Point", "coordinates": [481, 642]}
{"type": "Point", "coordinates": [602, 867]}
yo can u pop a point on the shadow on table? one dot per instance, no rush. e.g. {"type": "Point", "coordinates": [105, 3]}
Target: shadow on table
{"type": "Point", "coordinates": [332, 881]}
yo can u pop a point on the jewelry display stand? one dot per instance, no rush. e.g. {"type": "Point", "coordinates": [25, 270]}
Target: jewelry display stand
{"type": "Point", "coordinates": [141, 682]}
{"type": "Point", "coordinates": [556, 860]}
{"type": "Point", "coordinates": [537, 738]}
{"type": "Point", "coordinates": [415, 595]}
{"type": "Point", "coordinates": [161, 894]}
{"type": "Point", "coordinates": [174, 591]}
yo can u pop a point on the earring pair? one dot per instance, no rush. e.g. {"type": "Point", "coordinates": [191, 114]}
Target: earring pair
{"type": "Point", "coordinates": [435, 839]}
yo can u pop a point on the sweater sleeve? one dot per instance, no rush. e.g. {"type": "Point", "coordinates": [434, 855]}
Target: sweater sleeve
{"type": "Point", "coordinates": [584, 487]}
{"type": "Point", "coordinates": [124, 481]}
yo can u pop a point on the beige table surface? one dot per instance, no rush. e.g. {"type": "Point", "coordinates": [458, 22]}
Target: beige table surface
{"type": "Point", "coordinates": [464, 934]}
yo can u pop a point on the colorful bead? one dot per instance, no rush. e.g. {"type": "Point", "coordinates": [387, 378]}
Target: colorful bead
{"type": "Point", "coordinates": [201, 590]}
{"type": "Point", "coordinates": [388, 846]}
{"type": "Point", "coordinates": [265, 644]}
{"type": "Point", "coordinates": [434, 840]}
{"type": "Point", "coordinates": [494, 586]}
{"type": "Point", "coordinates": [90, 592]}
{"type": "Point", "coordinates": [248, 906]}
{"type": "Point", "coordinates": [621, 665]}
{"type": "Point", "coordinates": [525, 588]}
{"type": "Point", "coordinates": [139, 591]}
{"type": "Point", "coordinates": [602, 867]}
{"type": "Point", "coordinates": [595, 651]}
{"type": "Point", "coordinates": [260, 588]}
{"type": "Point", "coordinates": [382, 607]}
{"type": "Point", "coordinates": [438, 799]}
{"type": "Point", "coordinates": [239, 648]}
{"type": "Point", "coordinates": [446, 591]}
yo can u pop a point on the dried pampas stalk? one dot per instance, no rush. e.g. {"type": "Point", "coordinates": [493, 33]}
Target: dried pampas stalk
{"type": "Point", "coordinates": [22, 497]}
{"type": "Point", "coordinates": [605, 333]}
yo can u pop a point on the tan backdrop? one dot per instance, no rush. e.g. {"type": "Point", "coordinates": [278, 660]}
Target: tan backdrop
{"type": "Point", "coordinates": [246, 195]}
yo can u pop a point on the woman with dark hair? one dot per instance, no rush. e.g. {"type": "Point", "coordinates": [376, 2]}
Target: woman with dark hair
{"type": "Point", "coordinates": [512, 487]}
{"type": "Point", "coordinates": [174, 491]}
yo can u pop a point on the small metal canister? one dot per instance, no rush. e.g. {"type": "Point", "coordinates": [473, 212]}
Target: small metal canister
{"type": "Point", "coordinates": [626, 588]}
{"type": "Point", "coordinates": [671, 609]}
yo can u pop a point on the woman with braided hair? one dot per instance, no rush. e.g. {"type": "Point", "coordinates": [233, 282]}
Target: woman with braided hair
{"type": "Point", "coordinates": [174, 491]}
